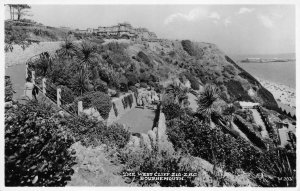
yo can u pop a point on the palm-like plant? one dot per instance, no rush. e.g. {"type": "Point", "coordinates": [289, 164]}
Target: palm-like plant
{"type": "Point", "coordinates": [207, 102]}
{"type": "Point", "coordinates": [80, 82]}
{"type": "Point", "coordinates": [86, 54]}
{"type": "Point", "coordinates": [68, 48]}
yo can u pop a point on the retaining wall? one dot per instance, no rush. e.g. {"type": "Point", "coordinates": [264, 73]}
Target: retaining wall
{"type": "Point", "coordinates": [120, 108]}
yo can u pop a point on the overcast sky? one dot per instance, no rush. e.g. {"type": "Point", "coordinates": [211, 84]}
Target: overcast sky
{"type": "Point", "coordinates": [236, 29]}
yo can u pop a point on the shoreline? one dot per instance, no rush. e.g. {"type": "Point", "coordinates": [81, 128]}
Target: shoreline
{"type": "Point", "coordinates": [282, 93]}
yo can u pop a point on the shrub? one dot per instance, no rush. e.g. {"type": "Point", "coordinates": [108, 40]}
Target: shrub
{"type": "Point", "coordinates": [188, 47]}
{"type": "Point", "coordinates": [171, 110]}
{"type": "Point", "coordinates": [36, 148]}
{"type": "Point", "coordinates": [189, 135]}
{"type": "Point", "coordinates": [67, 95]}
{"type": "Point", "coordinates": [144, 160]}
{"type": "Point", "coordinates": [135, 91]}
{"type": "Point", "coordinates": [99, 100]}
{"type": "Point", "coordinates": [143, 85]}
{"type": "Point", "coordinates": [145, 59]}
{"type": "Point", "coordinates": [249, 78]}
{"type": "Point", "coordinates": [123, 84]}
{"type": "Point", "coordinates": [194, 82]}
{"type": "Point", "coordinates": [172, 53]}
{"type": "Point", "coordinates": [145, 77]}
{"type": "Point", "coordinates": [94, 133]}
{"type": "Point", "coordinates": [250, 133]}
{"type": "Point", "coordinates": [268, 98]}
{"type": "Point", "coordinates": [236, 91]}
{"type": "Point", "coordinates": [132, 79]}
{"type": "Point", "coordinates": [8, 89]}
{"type": "Point", "coordinates": [229, 69]}
{"type": "Point", "coordinates": [102, 87]}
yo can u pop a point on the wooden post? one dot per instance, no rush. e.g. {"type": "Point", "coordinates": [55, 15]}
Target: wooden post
{"type": "Point", "coordinates": [80, 108]}
{"type": "Point", "coordinates": [33, 77]}
{"type": "Point", "coordinates": [26, 71]}
{"type": "Point", "coordinates": [58, 97]}
{"type": "Point", "coordinates": [44, 85]}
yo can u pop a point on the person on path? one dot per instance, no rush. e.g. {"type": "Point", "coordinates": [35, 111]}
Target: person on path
{"type": "Point", "coordinates": [28, 88]}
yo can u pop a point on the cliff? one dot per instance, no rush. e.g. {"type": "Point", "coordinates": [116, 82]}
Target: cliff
{"type": "Point", "coordinates": [203, 62]}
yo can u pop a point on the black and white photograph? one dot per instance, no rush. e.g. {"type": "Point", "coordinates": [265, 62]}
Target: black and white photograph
{"type": "Point", "coordinates": [149, 95]}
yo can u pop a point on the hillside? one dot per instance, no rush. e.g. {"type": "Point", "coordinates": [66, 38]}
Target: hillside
{"type": "Point", "coordinates": [197, 61]}
{"type": "Point", "coordinates": [203, 62]}
{"type": "Point", "coordinates": [101, 72]}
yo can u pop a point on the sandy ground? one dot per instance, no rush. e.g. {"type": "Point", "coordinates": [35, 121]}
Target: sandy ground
{"type": "Point", "coordinates": [281, 93]}
{"type": "Point", "coordinates": [138, 120]}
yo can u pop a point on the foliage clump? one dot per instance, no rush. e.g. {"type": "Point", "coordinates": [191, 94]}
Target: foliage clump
{"type": "Point", "coordinates": [188, 47]}
{"type": "Point", "coordinates": [8, 89]}
{"type": "Point", "coordinates": [99, 100]}
{"type": "Point", "coordinates": [36, 148]}
{"type": "Point", "coordinates": [145, 59]}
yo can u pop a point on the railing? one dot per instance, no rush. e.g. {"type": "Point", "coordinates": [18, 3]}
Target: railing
{"type": "Point", "coordinates": [53, 94]}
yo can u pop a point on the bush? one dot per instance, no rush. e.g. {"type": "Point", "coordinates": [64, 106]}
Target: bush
{"type": "Point", "coordinates": [144, 160]}
{"type": "Point", "coordinates": [188, 47]}
{"type": "Point", "coordinates": [194, 82]}
{"type": "Point", "coordinates": [132, 79]}
{"type": "Point", "coordinates": [123, 84]}
{"type": "Point", "coordinates": [67, 95]}
{"type": "Point", "coordinates": [36, 148]}
{"type": "Point", "coordinates": [99, 100]}
{"type": "Point", "coordinates": [100, 86]}
{"type": "Point", "coordinates": [236, 91]}
{"type": "Point", "coordinates": [229, 69]}
{"type": "Point", "coordinates": [171, 110]}
{"type": "Point", "coordinates": [145, 59]}
{"type": "Point", "coordinates": [8, 89]}
{"type": "Point", "coordinates": [249, 78]}
{"type": "Point", "coordinates": [143, 85]}
{"type": "Point", "coordinates": [134, 90]}
{"type": "Point", "coordinates": [91, 132]}
{"type": "Point", "coordinates": [189, 135]}
{"type": "Point", "coordinates": [250, 133]}
{"type": "Point", "coordinates": [268, 98]}
{"type": "Point", "coordinates": [145, 77]}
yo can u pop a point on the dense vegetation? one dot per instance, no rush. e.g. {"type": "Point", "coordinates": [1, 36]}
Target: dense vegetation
{"type": "Point", "coordinates": [8, 89]}
{"type": "Point", "coordinates": [37, 144]}
{"type": "Point", "coordinates": [93, 72]}
{"type": "Point", "coordinates": [36, 148]}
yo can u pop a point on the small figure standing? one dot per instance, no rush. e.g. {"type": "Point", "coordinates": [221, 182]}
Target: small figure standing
{"type": "Point", "coordinates": [28, 88]}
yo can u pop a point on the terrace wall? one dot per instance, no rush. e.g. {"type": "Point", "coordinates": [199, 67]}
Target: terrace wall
{"type": "Point", "coordinates": [120, 108]}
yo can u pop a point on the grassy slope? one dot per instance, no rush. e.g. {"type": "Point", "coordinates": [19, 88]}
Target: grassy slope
{"type": "Point", "coordinates": [206, 62]}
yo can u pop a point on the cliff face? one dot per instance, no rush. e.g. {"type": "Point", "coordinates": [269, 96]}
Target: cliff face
{"type": "Point", "coordinates": [208, 64]}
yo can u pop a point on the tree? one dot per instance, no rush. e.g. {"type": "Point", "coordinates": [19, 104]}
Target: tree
{"type": "Point", "coordinates": [67, 48]}
{"type": "Point", "coordinates": [21, 10]}
{"type": "Point", "coordinates": [80, 82]}
{"type": "Point", "coordinates": [207, 102]}
{"type": "Point", "coordinates": [86, 55]}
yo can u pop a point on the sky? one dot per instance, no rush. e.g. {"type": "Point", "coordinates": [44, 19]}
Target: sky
{"type": "Point", "coordinates": [236, 29]}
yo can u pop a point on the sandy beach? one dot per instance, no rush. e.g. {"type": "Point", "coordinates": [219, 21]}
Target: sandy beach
{"type": "Point", "coordinates": [281, 93]}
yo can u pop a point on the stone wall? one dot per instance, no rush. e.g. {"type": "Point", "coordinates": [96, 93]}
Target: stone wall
{"type": "Point", "coordinates": [156, 137]}
{"type": "Point", "coordinates": [120, 108]}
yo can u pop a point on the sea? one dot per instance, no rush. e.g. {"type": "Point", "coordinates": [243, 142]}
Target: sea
{"type": "Point", "coordinates": [278, 72]}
